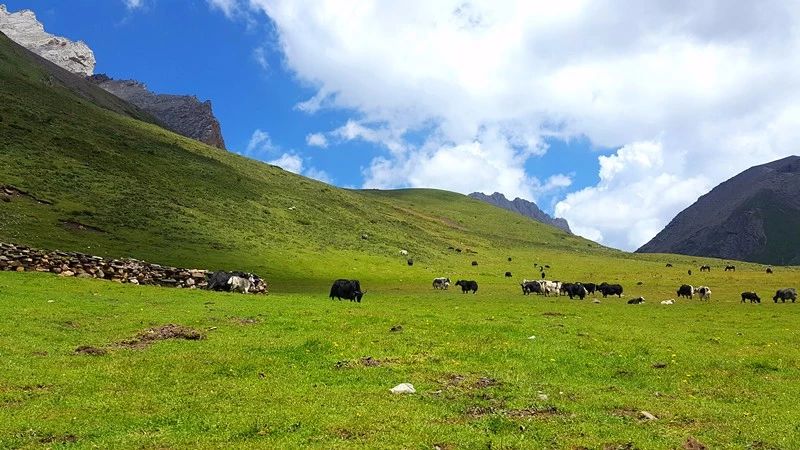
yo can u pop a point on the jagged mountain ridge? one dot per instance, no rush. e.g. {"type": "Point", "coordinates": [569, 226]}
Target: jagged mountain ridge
{"type": "Point", "coordinates": [183, 114]}
{"type": "Point", "coordinates": [754, 216]}
{"type": "Point", "coordinates": [25, 29]}
{"type": "Point", "coordinates": [522, 206]}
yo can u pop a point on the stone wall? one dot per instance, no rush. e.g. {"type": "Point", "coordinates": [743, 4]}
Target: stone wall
{"type": "Point", "coordinates": [72, 264]}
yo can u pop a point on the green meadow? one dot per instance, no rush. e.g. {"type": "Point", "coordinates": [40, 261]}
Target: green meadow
{"type": "Point", "coordinates": [492, 370]}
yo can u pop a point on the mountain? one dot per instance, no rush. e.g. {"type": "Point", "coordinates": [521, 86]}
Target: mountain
{"type": "Point", "coordinates": [522, 206]}
{"type": "Point", "coordinates": [754, 216]}
{"type": "Point", "coordinates": [80, 176]}
{"type": "Point", "coordinates": [23, 27]}
{"type": "Point", "coordinates": [183, 114]}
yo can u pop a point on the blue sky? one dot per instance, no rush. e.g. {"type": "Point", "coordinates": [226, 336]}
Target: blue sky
{"type": "Point", "coordinates": [564, 103]}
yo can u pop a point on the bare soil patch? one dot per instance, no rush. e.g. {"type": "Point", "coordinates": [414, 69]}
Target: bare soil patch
{"type": "Point", "coordinates": [245, 320]}
{"type": "Point", "coordinates": [90, 350]}
{"type": "Point", "coordinates": [169, 331]}
{"type": "Point", "coordinates": [693, 444]}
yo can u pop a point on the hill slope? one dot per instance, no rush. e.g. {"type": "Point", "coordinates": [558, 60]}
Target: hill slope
{"type": "Point", "coordinates": [754, 216]}
{"type": "Point", "coordinates": [524, 207]}
{"type": "Point", "coordinates": [116, 186]}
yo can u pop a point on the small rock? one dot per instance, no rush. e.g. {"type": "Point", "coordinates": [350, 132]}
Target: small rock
{"type": "Point", "coordinates": [67, 273]}
{"type": "Point", "coordinates": [659, 365]}
{"type": "Point", "coordinates": [596, 301]}
{"type": "Point", "coordinates": [396, 329]}
{"type": "Point", "coordinates": [542, 396]}
{"type": "Point", "coordinates": [531, 337]}
{"type": "Point", "coordinates": [403, 388]}
{"type": "Point", "coordinates": [644, 415]}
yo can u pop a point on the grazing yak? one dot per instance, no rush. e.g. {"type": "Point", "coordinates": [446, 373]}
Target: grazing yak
{"type": "Point", "coordinates": [731, 268]}
{"type": "Point", "coordinates": [751, 296]}
{"type": "Point", "coordinates": [508, 275]}
{"type": "Point", "coordinates": [529, 287]}
{"type": "Point", "coordinates": [441, 283]}
{"type": "Point", "coordinates": [590, 287]}
{"type": "Point", "coordinates": [704, 292]}
{"type": "Point", "coordinates": [686, 290]}
{"type": "Point", "coordinates": [410, 262]}
{"type": "Point", "coordinates": [467, 285]}
{"type": "Point", "coordinates": [785, 294]}
{"type": "Point", "coordinates": [636, 301]}
{"type": "Point", "coordinates": [221, 281]}
{"type": "Point", "coordinates": [574, 290]}
{"type": "Point", "coordinates": [669, 265]}
{"type": "Point", "coordinates": [769, 269]}
{"type": "Point", "coordinates": [474, 263]}
{"type": "Point", "coordinates": [705, 268]}
{"type": "Point", "coordinates": [550, 287]}
{"type": "Point", "coordinates": [241, 284]}
{"type": "Point", "coordinates": [404, 252]}
{"type": "Point", "coordinates": [610, 289]}
{"type": "Point", "coordinates": [347, 289]}
{"type": "Point", "coordinates": [689, 272]}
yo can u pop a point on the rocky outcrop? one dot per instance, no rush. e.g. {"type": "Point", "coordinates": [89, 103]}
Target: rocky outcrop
{"type": "Point", "coordinates": [23, 28]}
{"type": "Point", "coordinates": [754, 216]}
{"type": "Point", "coordinates": [524, 207]}
{"type": "Point", "coordinates": [20, 258]}
{"type": "Point", "coordinates": [183, 114]}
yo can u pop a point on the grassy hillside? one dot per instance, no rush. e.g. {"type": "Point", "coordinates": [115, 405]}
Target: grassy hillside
{"type": "Point", "coordinates": [145, 192]}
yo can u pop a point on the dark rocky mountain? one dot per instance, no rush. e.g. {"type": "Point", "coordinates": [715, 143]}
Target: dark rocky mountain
{"type": "Point", "coordinates": [754, 216]}
{"type": "Point", "coordinates": [183, 114]}
{"type": "Point", "coordinates": [522, 206]}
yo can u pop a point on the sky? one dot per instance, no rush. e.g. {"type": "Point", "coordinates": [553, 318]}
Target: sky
{"type": "Point", "coordinates": [615, 115]}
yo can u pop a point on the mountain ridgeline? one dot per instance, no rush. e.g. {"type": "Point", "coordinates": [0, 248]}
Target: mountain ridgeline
{"type": "Point", "coordinates": [183, 114]}
{"type": "Point", "coordinates": [524, 207]}
{"type": "Point", "coordinates": [754, 216]}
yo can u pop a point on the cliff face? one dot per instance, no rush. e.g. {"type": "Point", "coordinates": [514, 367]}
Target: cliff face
{"type": "Point", "coordinates": [754, 216]}
{"type": "Point", "coordinates": [183, 114]}
{"type": "Point", "coordinates": [23, 28]}
{"type": "Point", "coordinates": [524, 207]}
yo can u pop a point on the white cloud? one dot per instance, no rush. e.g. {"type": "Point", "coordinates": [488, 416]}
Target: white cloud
{"type": "Point", "coordinates": [290, 162]}
{"type": "Point", "coordinates": [690, 93]}
{"type": "Point", "coordinates": [134, 4]}
{"type": "Point", "coordinates": [317, 140]}
{"type": "Point", "coordinates": [260, 142]}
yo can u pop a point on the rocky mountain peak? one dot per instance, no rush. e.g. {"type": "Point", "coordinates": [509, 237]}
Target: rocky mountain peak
{"type": "Point", "coordinates": [522, 206]}
{"type": "Point", "coordinates": [754, 216]}
{"type": "Point", "coordinates": [25, 29]}
{"type": "Point", "coordinates": [183, 114]}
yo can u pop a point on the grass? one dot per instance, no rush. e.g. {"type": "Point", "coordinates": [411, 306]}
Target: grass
{"type": "Point", "coordinates": [273, 381]}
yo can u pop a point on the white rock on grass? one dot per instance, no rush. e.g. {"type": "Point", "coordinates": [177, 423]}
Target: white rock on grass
{"type": "Point", "coordinates": [403, 388]}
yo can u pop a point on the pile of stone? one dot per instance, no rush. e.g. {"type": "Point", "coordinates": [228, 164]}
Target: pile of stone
{"type": "Point", "coordinates": [73, 264]}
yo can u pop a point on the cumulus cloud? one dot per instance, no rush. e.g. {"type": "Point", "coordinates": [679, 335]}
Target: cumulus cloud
{"type": "Point", "coordinates": [688, 93]}
{"type": "Point", "coordinates": [260, 142]}
{"type": "Point", "coordinates": [289, 162]}
{"type": "Point", "coordinates": [317, 140]}
{"type": "Point", "coordinates": [292, 162]}
{"type": "Point", "coordinates": [262, 148]}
